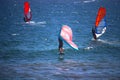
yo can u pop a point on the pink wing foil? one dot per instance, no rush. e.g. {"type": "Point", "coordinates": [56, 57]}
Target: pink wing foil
{"type": "Point", "coordinates": [66, 34]}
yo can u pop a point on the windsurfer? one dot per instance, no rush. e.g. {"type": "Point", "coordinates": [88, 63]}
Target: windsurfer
{"type": "Point", "coordinates": [61, 50]}
{"type": "Point", "coordinates": [26, 19]}
{"type": "Point", "coordinates": [100, 23]}
{"type": "Point", "coordinates": [27, 12]}
{"type": "Point", "coordinates": [93, 32]}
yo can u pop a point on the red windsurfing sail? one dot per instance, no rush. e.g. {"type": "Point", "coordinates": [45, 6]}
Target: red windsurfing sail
{"type": "Point", "coordinates": [66, 35]}
{"type": "Point", "coordinates": [100, 23]}
{"type": "Point", "coordinates": [101, 14]}
{"type": "Point", "coordinates": [27, 12]}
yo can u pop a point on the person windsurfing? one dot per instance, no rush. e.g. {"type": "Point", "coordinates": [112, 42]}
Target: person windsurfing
{"type": "Point", "coordinates": [26, 19]}
{"type": "Point", "coordinates": [60, 47]}
{"type": "Point", "coordinates": [100, 23]}
{"type": "Point", "coordinates": [65, 35]}
{"type": "Point", "coordinates": [93, 33]}
{"type": "Point", "coordinates": [27, 12]}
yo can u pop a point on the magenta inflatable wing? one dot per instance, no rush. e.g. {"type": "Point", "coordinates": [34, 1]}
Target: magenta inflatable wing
{"type": "Point", "coordinates": [66, 35]}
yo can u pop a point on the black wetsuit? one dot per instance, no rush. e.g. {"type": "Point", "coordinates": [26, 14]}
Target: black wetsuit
{"type": "Point", "coordinates": [60, 45]}
{"type": "Point", "coordinates": [93, 32]}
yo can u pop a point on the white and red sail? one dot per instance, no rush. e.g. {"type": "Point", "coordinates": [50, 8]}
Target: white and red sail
{"type": "Point", "coordinates": [27, 12]}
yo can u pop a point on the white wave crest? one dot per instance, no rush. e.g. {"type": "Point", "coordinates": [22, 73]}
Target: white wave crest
{"type": "Point", "coordinates": [88, 48]}
{"type": "Point", "coordinates": [88, 1]}
{"type": "Point", "coordinates": [37, 23]}
{"type": "Point", "coordinates": [15, 34]}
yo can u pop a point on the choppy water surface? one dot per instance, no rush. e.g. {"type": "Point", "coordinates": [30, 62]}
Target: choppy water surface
{"type": "Point", "coordinates": [29, 51]}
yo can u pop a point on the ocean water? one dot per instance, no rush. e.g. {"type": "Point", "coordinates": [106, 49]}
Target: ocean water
{"type": "Point", "coordinates": [29, 51]}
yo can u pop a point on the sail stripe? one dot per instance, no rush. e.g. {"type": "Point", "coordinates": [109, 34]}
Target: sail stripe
{"type": "Point", "coordinates": [100, 16]}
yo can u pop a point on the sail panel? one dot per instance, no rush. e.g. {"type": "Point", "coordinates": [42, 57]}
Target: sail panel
{"type": "Point", "coordinates": [101, 14]}
{"type": "Point", "coordinates": [27, 11]}
{"type": "Point", "coordinates": [66, 35]}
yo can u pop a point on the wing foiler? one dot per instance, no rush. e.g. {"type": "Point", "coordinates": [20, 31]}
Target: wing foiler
{"type": "Point", "coordinates": [66, 35]}
{"type": "Point", "coordinates": [100, 23]}
{"type": "Point", "coordinates": [27, 12]}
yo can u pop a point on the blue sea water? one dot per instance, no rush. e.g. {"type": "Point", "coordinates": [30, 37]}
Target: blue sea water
{"type": "Point", "coordinates": [29, 51]}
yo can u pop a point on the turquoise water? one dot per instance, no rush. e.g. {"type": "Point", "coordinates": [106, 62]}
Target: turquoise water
{"type": "Point", "coordinates": [29, 51]}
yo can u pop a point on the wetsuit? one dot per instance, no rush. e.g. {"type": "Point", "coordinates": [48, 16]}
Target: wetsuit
{"type": "Point", "coordinates": [93, 32]}
{"type": "Point", "coordinates": [60, 46]}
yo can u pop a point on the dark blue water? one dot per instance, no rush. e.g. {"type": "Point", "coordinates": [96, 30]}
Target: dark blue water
{"type": "Point", "coordinates": [29, 51]}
